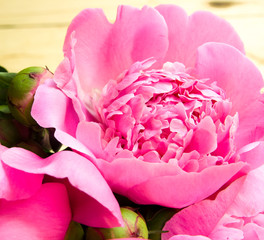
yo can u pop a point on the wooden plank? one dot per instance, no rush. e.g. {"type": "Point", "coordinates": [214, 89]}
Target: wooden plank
{"type": "Point", "coordinates": [16, 12]}
{"type": "Point", "coordinates": [32, 33]}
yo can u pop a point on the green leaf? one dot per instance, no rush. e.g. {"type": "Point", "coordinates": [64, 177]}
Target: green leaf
{"type": "Point", "coordinates": [5, 80]}
{"type": "Point", "coordinates": [2, 69]}
{"type": "Point", "coordinates": [4, 109]}
{"type": "Point", "coordinates": [157, 222]}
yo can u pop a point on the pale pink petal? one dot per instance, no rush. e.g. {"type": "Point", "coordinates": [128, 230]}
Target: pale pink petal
{"type": "Point", "coordinates": [186, 34]}
{"type": "Point", "coordinates": [165, 184]}
{"type": "Point", "coordinates": [93, 202]}
{"type": "Point", "coordinates": [16, 184]}
{"type": "Point", "coordinates": [236, 212]}
{"type": "Point", "coordinates": [253, 232]}
{"type": "Point", "coordinates": [187, 237]}
{"type": "Point", "coordinates": [249, 201]}
{"type": "Point", "coordinates": [203, 217]}
{"type": "Point", "coordinates": [46, 215]}
{"type": "Point", "coordinates": [253, 154]}
{"type": "Point", "coordinates": [241, 81]}
{"type": "Point", "coordinates": [103, 50]}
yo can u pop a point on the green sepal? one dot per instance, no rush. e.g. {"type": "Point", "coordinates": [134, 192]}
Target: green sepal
{"type": "Point", "coordinates": [158, 220]}
{"type": "Point", "coordinates": [74, 232]}
{"type": "Point", "coordinates": [5, 80]}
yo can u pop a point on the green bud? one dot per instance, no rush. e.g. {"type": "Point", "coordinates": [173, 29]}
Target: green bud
{"type": "Point", "coordinates": [74, 232]}
{"type": "Point", "coordinates": [21, 93]}
{"type": "Point", "coordinates": [134, 227]}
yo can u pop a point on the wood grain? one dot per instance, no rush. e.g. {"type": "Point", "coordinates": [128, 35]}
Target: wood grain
{"type": "Point", "coordinates": [32, 32]}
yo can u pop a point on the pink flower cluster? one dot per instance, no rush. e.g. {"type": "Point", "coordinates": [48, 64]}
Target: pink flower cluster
{"type": "Point", "coordinates": [159, 107]}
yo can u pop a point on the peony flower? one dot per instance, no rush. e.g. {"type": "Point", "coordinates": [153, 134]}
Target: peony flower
{"type": "Point", "coordinates": [236, 213]}
{"type": "Point", "coordinates": [166, 106]}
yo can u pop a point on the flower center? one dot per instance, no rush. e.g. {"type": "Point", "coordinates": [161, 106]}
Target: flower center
{"type": "Point", "coordinates": [166, 115]}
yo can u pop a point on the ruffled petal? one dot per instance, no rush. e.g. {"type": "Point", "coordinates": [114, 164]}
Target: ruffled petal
{"type": "Point", "coordinates": [241, 81]}
{"type": "Point", "coordinates": [46, 215]}
{"type": "Point", "coordinates": [102, 50]}
{"type": "Point", "coordinates": [186, 34]}
{"type": "Point", "coordinates": [93, 203]}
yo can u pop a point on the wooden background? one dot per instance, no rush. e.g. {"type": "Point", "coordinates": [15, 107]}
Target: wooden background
{"type": "Point", "coordinates": [32, 31]}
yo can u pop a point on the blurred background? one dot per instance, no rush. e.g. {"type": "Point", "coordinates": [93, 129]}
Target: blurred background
{"type": "Point", "coordinates": [32, 32]}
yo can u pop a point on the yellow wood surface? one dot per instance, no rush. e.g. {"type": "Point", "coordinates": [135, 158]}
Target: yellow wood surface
{"type": "Point", "coordinates": [32, 32]}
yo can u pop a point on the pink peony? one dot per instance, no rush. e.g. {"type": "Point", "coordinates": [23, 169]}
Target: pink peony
{"type": "Point", "coordinates": [166, 106]}
{"type": "Point", "coordinates": [236, 213]}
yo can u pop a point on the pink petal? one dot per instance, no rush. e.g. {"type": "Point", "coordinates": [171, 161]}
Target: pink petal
{"type": "Point", "coordinates": [93, 202]}
{"type": "Point", "coordinates": [46, 215]}
{"type": "Point", "coordinates": [165, 184]}
{"type": "Point", "coordinates": [16, 184]}
{"type": "Point", "coordinates": [186, 34]}
{"type": "Point", "coordinates": [53, 109]}
{"type": "Point", "coordinates": [103, 50]}
{"type": "Point", "coordinates": [89, 133]}
{"type": "Point", "coordinates": [66, 81]}
{"type": "Point", "coordinates": [204, 139]}
{"type": "Point", "coordinates": [241, 81]}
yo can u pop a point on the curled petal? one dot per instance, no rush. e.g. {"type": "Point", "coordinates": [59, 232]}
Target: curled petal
{"type": "Point", "coordinates": [144, 182]}
{"type": "Point", "coordinates": [93, 202]}
{"type": "Point", "coordinates": [16, 184]}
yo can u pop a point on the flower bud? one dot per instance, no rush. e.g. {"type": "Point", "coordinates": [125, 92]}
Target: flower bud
{"type": "Point", "coordinates": [21, 92]}
{"type": "Point", "coordinates": [134, 227]}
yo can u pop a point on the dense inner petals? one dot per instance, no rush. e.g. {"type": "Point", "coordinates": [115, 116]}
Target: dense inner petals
{"type": "Point", "coordinates": [167, 115]}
